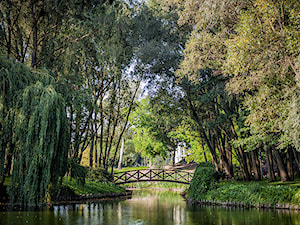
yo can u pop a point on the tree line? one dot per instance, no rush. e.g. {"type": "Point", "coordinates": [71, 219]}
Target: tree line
{"type": "Point", "coordinates": [237, 85]}
{"type": "Point", "coordinates": [222, 77]}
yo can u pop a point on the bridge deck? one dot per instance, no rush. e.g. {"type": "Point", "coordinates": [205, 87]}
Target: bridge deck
{"type": "Point", "coordinates": [177, 176]}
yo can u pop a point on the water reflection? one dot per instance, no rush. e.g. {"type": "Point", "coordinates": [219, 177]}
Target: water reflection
{"type": "Point", "coordinates": [155, 208]}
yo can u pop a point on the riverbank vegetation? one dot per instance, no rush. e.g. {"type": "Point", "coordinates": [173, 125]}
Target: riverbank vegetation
{"type": "Point", "coordinates": [157, 185]}
{"type": "Point", "coordinates": [94, 187]}
{"type": "Point", "coordinates": [143, 83]}
{"type": "Point", "coordinates": [208, 186]}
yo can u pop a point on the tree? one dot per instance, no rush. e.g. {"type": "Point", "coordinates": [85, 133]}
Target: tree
{"type": "Point", "coordinates": [147, 134]}
{"type": "Point", "coordinates": [84, 46]}
{"type": "Point", "coordinates": [38, 138]}
{"type": "Point", "coordinates": [262, 58]}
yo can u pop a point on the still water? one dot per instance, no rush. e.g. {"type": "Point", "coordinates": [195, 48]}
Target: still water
{"type": "Point", "coordinates": [146, 208]}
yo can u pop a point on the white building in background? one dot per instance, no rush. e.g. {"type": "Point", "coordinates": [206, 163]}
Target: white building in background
{"type": "Point", "coordinates": [180, 153]}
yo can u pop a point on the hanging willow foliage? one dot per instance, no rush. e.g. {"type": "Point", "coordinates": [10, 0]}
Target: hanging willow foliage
{"type": "Point", "coordinates": [42, 139]}
{"type": "Point", "coordinates": [33, 129]}
{"type": "Point", "coordinates": [14, 77]}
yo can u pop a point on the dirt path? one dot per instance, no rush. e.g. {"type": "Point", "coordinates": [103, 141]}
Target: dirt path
{"type": "Point", "coordinates": [186, 166]}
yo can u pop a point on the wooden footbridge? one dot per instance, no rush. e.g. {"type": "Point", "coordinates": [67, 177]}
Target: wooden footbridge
{"type": "Point", "coordinates": [175, 176]}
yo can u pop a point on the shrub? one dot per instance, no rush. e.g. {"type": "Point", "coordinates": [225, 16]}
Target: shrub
{"type": "Point", "coordinates": [158, 162]}
{"type": "Point", "coordinates": [100, 175]}
{"type": "Point", "coordinates": [205, 179]}
{"type": "Point", "coordinates": [78, 171]}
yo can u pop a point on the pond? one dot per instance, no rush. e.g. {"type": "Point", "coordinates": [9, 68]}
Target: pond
{"type": "Point", "coordinates": [146, 208]}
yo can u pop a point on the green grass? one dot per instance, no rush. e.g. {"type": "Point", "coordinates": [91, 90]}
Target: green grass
{"type": "Point", "coordinates": [93, 187]}
{"type": "Point", "coordinates": [165, 185]}
{"type": "Point", "coordinates": [295, 183]}
{"type": "Point", "coordinates": [254, 193]}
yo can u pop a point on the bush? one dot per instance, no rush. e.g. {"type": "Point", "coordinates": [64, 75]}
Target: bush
{"type": "Point", "coordinates": [78, 171]}
{"type": "Point", "coordinates": [254, 193]}
{"type": "Point", "coordinates": [205, 179]}
{"type": "Point", "coordinates": [159, 162]}
{"type": "Point", "coordinates": [100, 175]}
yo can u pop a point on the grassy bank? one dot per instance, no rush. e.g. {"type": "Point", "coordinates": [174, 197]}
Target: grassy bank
{"type": "Point", "coordinates": [94, 187]}
{"type": "Point", "coordinates": [71, 190]}
{"type": "Point", "coordinates": [162, 185]}
{"type": "Point", "coordinates": [206, 185]}
{"type": "Point", "coordinates": [253, 193]}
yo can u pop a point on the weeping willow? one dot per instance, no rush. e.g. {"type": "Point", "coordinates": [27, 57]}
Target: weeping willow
{"type": "Point", "coordinates": [35, 115]}
{"type": "Point", "coordinates": [14, 77]}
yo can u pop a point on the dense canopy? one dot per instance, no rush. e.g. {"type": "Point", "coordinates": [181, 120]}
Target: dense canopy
{"type": "Point", "coordinates": [218, 78]}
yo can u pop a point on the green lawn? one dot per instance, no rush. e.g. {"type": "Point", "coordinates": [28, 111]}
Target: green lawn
{"type": "Point", "coordinates": [295, 183]}
{"type": "Point", "coordinates": [254, 193]}
{"type": "Point", "coordinates": [156, 184]}
{"type": "Point", "coordinates": [93, 187]}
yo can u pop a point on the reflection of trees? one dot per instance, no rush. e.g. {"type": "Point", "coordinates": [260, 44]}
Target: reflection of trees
{"type": "Point", "coordinates": [143, 209]}
{"type": "Point", "coordinates": [158, 207]}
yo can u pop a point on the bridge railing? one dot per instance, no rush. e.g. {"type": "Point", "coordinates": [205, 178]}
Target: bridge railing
{"type": "Point", "coordinates": [177, 176]}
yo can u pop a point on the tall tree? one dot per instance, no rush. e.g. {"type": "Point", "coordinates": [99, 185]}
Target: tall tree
{"type": "Point", "coordinates": [262, 59]}
{"type": "Point", "coordinates": [34, 132]}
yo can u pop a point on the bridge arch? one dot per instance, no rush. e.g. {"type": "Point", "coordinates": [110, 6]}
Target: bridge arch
{"type": "Point", "coordinates": [175, 176]}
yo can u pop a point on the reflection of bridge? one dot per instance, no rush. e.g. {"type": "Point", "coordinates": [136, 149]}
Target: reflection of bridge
{"type": "Point", "coordinates": [176, 176]}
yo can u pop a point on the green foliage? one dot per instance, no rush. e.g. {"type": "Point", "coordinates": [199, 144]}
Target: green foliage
{"type": "Point", "coordinates": [58, 192]}
{"type": "Point", "coordinates": [14, 77]}
{"type": "Point", "coordinates": [205, 179]}
{"type": "Point", "coordinates": [159, 162]}
{"type": "Point", "coordinates": [156, 185]}
{"type": "Point", "coordinates": [147, 133]}
{"type": "Point", "coordinates": [41, 138]}
{"type": "Point", "coordinates": [94, 187]}
{"type": "Point", "coordinates": [100, 175]}
{"type": "Point", "coordinates": [261, 61]}
{"type": "Point", "coordinates": [254, 194]}
{"type": "Point", "coordinates": [34, 131]}
{"type": "Point", "coordinates": [78, 171]}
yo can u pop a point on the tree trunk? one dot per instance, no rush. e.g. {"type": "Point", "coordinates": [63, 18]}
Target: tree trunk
{"type": "Point", "coordinates": [282, 170]}
{"type": "Point", "coordinates": [126, 122]}
{"type": "Point", "coordinates": [96, 151]}
{"type": "Point", "coordinates": [229, 155]}
{"type": "Point", "coordinates": [289, 163]}
{"type": "Point", "coordinates": [203, 135]}
{"type": "Point", "coordinates": [211, 148]}
{"type": "Point", "coordinates": [244, 168]}
{"type": "Point", "coordinates": [34, 38]}
{"type": "Point", "coordinates": [269, 159]}
{"type": "Point", "coordinates": [248, 163]}
{"type": "Point", "coordinates": [224, 160]}
{"type": "Point", "coordinates": [241, 155]}
{"type": "Point", "coordinates": [254, 160]}
{"type": "Point", "coordinates": [297, 159]}
{"type": "Point", "coordinates": [121, 154]}
{"type": "Point", "coordinates": [106, 144]}
{"type": "Point", "coordinates": [101, 135]}
{"type": "Point", "coordinates": [260, 164]}
{"type": "Point", "coordinates": [91, 153]}
{"type": "Point", "coordinates": [203, 149]}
